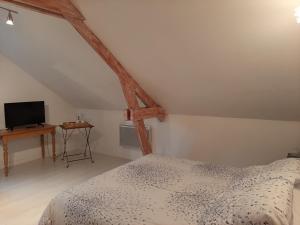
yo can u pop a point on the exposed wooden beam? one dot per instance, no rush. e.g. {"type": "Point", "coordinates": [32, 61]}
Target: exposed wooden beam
{"type": "Point", "coordinates": [36, 9]}
{"type": "Point", "coordinates": [111, 60]}
{"type": "Point", "coordinates": [67, 8]}
{"type": "Point", "coordinates": [52, 7]}
{"type": "Point", "coordinates": [139, 124]}
{"type": "Point", "coordinates": [146, 113]}
{"type": "Point", "coordinates": [143, 137]}
{"type": "Point", "coordinates": [131, 89]}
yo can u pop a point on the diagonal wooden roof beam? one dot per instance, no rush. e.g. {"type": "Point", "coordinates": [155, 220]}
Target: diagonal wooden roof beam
{"type": "Point", "coordinates": [124, 77]}
{"type": "Point", "coordinates": [55, 8]}
{"type": "Point", "coordinates": [131, 89]}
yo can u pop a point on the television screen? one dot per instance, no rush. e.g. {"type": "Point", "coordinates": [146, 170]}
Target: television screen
{"type": "Point", "coordinates": [24, 113]}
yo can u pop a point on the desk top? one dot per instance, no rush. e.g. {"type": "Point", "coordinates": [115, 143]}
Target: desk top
{"type": "Point", "coordinates": [75, 125]}
{"type": "Point", "coordinates": [18, 131]}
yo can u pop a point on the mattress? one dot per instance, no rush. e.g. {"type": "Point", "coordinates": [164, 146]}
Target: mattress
{"type": "Point", "coordinates": [156, 190]}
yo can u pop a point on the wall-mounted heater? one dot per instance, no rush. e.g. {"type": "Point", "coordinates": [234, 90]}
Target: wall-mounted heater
{"type": "Point", "coordinates": [128, 135]}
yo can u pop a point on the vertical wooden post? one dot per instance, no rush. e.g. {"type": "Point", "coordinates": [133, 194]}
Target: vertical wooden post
{"type": "Point", "coordinates": [143, 137]}
{"type": "Point", "coordinates": [133, 104]}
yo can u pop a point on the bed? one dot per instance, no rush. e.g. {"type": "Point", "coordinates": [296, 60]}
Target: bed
{"type": "Point", "coordinates": [157, 190]}
{"type": "Point", "coordinates": [296, 205]}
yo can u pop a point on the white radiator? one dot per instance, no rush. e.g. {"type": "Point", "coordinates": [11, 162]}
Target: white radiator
{"type": "Point", "coordinates": [128, 135]}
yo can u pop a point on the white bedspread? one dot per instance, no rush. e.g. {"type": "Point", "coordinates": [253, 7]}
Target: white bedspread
{"type": "Point", "coordinates": [296, 204]}
{"type": "Point", "coordinates": [156, 190]}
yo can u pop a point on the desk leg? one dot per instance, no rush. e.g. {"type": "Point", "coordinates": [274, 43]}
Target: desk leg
{"type": "Point", "coordinates": [43, 146]}
{"type": "Point", "coordinates": [5, 157]}
{"type": "Point", "coordinates": [53, 146]}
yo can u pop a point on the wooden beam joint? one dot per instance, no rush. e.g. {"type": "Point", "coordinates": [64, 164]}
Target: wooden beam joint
{"type": "Point", "coordinates": [145, 113]}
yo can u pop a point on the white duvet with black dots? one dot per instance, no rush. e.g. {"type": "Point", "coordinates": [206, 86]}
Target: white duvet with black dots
{"type": "Point", "coordinates": [156, 190]}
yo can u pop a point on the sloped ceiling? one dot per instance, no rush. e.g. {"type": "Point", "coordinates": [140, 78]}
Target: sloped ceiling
{"type": "Point", "coordinates": [51, 51]}
{"type": "Point", "coordinates": [220, 58]}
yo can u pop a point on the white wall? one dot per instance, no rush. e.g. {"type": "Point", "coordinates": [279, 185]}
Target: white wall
{"type": "Point", "coordinates": [15, 86]}
{"type": "Point", "coordinates": [223, 140]}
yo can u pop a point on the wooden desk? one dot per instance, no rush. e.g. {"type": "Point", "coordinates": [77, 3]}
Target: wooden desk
{"type": "Point", "coordinates": [6, 136]}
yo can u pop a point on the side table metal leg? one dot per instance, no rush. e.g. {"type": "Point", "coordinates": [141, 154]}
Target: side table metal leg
{"type": "Point", "coordinates": [64, 140]}
{"type": "Point", "coordinates": [65, 154]}
{"type": "Point", "coordinates": [87, 150]}
{"type": "Point", "coordinates": [88, 143]}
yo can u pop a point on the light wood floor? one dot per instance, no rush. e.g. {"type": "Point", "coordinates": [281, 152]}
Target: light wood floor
{"type": "Point", "coordinates": [29, 188]}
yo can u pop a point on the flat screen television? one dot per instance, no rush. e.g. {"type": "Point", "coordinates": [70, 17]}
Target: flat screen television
{"type": "Point", "coordinates": [24, 113]}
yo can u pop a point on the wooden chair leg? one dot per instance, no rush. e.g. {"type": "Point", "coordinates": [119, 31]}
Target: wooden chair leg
{"type": "Point", "coordinates": [43, 146]}
{"type": "Point", "coordinates": [53, 146]}
{"type": "Point", "coordinates": [5, 158]}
